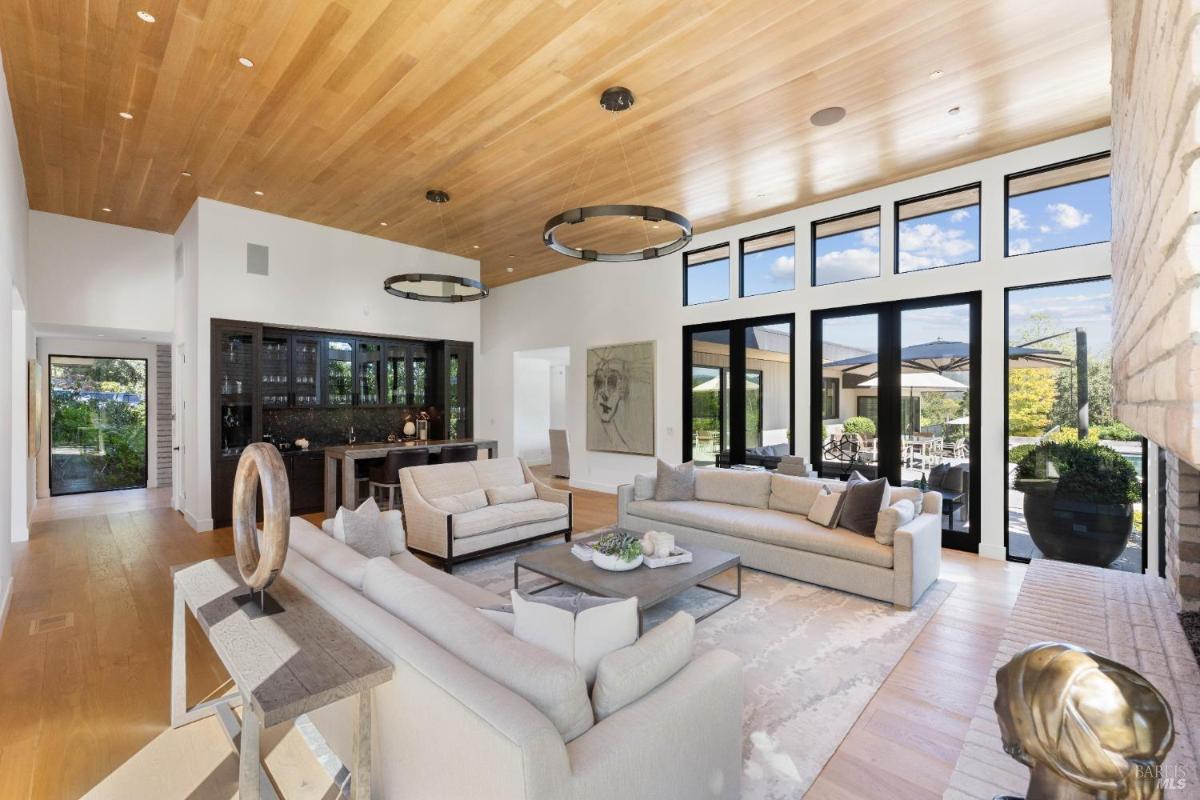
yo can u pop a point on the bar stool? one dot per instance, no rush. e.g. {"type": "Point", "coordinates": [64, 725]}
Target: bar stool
{"type": "Point", "coordinates": [387, 475]}
{"type": "Point", "coordinates": [459, 452]}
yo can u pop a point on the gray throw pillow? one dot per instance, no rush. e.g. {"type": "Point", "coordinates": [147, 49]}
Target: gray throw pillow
{"type": "Point", "coordinates": [363, 530]}
{"type": "Point", "coordinates": [864, 500]}
{"type": "Point", "coordinates": [675, 483]}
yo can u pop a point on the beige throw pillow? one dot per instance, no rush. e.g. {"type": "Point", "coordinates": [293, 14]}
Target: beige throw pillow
{"type": "Point", "coordinates": [511, 494]}
{"type": "Point", "coordinates": [825, 507]}
{"type": "Point", "coordinates": [582, 631]}
{"type": "Point", "coordinates": [629, 674]}
{"type": "Point", "coordinates": [461, 503]}
{"type": "Point", "coordinates": [675, 483]}
{"type": "Point", "coordinates": [896, 515]}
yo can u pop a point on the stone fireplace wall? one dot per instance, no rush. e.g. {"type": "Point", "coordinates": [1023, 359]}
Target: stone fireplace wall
{"type": "Point", "coordinates": [1156, 254]}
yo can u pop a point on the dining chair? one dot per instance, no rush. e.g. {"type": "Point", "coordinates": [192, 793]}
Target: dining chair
{"type": "Point", "coordinates": [387, 474]}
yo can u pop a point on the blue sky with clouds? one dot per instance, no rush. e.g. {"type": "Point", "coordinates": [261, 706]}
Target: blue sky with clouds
{"type": "Point", "coordinates": [769, 271]}
{"type": "Point", "coordinates": [1064, 216]}
{"type": "Point", "coordinates": [708, 282]}
{"type": "Point", "coordinates": [939, 240]}
{"type": "Point", "coordinates": [848, 256]}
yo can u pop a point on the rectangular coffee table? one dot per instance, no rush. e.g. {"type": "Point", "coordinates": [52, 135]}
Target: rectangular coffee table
{"type": "Point", "coordinates": [650, 586]}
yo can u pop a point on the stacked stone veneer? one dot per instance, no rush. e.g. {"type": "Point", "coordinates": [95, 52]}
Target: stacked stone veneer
{"type": "Point", "coordinates": [1156, 252]}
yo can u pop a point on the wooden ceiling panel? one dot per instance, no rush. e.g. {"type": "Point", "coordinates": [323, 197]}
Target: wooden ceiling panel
{"type": "Point", "coordinates": [355, 107]}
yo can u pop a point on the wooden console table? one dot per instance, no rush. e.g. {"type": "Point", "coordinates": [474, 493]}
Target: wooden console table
{"type": "Point", "coordinates": [283, 665]}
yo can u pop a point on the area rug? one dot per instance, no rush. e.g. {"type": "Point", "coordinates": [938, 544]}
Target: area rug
{"type": "Point", "coordinates": [813, 659]}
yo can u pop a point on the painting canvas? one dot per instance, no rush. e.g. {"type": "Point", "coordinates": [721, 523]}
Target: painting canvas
{"type": "Point", "coordinates": [35, 408]}
{"type": "Point", "coordinates": [620, 413]}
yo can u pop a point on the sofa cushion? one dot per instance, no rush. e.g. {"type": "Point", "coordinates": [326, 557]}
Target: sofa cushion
{"type": "Point", "coordinates": [553, 686]}
{"type": "Point", "coordinates": [327, 552]}
{"type": "Point", "coordinates": [864, 500]}
{"type": "Point", "coordinates": [907, 493]}
{"type": "Point", "coordinates": [494, 472]}
{"type": "Point", "coordinates": [499, 495]}
{"type": "Point", "coordinates": [443, 480]}
{"type": "Point", "coordinates": [764, 525]}
{"type": "Point", "coordinates": [393, 525]}
{"type": "Point", "coordinates": [362, 530]}
{"type": "Point", "coordinates": [737, 487]}
{"type": "Point", "coordinates": [468, 592]}
{"type": "Point", "coordinates": [643, 487]}
{"type": "Point", "coordinates": [508, 515]}
{"type": "Point", "coordinates": [675, 483]}
{"type": "Point", "coordinates": [461, 503]}
{"type": "Point", "coordinates": [792, 494]}
{"type": "Point", "coordinates": [579, 629]}
{"type": "Point", "coordinates": [628, 674]}
{"type": "Point", "coordinates": [891, 518]}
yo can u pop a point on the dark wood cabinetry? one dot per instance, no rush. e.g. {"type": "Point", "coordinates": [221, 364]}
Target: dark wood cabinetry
{"type": "Point", "coordinates": [261, 371]}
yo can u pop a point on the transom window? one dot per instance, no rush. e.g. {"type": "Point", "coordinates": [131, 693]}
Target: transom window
{"type": "Point", "coordinates": [938, 230]}
{"type": "Point", "coordinates": [769, 263]}
{"type": "Point", "coordinates": [706, 275]}
{"type": "Point", "coordinates": [846, 248]}
{"type": "Point", "coordinates": [1062, 205]}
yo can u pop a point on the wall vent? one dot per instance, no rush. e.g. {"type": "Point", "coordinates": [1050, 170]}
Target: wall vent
{"type": "Point", "coordinates": [256, 259]}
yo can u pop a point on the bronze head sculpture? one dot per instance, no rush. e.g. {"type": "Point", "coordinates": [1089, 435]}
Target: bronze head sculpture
{"type": "Point", "coordinates": [1084, 725]}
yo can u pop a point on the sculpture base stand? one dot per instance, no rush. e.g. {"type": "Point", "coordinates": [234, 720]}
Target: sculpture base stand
{"type": "Point", "coordinates": [258, 604]}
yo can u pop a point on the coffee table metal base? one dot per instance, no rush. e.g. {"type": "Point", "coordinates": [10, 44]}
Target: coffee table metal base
{"type": "Point", "coordinates": [734, 595]}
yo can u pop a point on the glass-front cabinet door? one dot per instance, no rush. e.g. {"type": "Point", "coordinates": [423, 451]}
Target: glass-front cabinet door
{"type": "Point", "coordinates": [339, 371]}
{"type": "Point", "coordinates": [370, 355]}
{"type": "Point", "coordinates": [458, 392]}
{"type": "Point", "coordinates": [306, 371]}
{"type": "Point", "coordinates": [396, 374]}
{"type": "Point", "coordinates": [236, 369]}
{"type": "Point", "coordinates": [419, 375]}
{"type": "Point", "coordinates": [274, 372]}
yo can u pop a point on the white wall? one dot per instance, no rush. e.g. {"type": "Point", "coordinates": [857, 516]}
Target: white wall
{"type": "Point", "coordinates": [531, 409]}
{"type": "Point", "coordinates": [85, 274]}
{"type": "Point", "coordinates": [51, 346]}
{"type": "Point", "coordinates": [607, 303]}
{"type": "Point", "coordinates": [14, 235]}
{"type": "Point", "coordinates": [320, 277]}
{"type": "Point", "coordinates": [558, 395]}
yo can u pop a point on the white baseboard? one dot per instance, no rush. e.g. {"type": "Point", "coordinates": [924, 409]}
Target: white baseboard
{"type": "Point", "coordinates": [607, 488]}
{"type": "Point", "coordinates": [993, 551]}
{"type": "Point", "coordinates": [5, 596]}
{"type": "Point", "coordinates": [197, 524]}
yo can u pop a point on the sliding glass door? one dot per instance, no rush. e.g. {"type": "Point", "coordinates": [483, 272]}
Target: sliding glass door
{"type": "Point", "coordinates": [895, 394]}
{"type": "Point", "coordinates": [738, 393]}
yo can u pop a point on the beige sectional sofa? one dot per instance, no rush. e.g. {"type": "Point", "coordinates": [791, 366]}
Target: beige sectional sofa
{"type": "Point", "coordinates": [454, 537]}
{"type": "Point", "coordinates": [761, 517]}
{"type": "Point", "coordinates": [473, 712]}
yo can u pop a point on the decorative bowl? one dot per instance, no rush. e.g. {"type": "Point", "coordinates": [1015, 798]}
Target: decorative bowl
{"type": "Point", "coordinates": [614, 563]}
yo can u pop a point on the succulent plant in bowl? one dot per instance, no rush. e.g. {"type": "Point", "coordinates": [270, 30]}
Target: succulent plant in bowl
{"type": "Point", "coordinates": [617, 551]}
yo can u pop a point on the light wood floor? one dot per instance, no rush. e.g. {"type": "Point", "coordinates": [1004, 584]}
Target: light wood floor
{"type": "Point", "coordinates": [86, 705]}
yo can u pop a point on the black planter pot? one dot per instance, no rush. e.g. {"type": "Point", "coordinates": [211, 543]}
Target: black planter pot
{"type": "Point", "coordinates": [1068, 530]}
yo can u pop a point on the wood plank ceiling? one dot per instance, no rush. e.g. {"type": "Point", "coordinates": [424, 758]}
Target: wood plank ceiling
{"type": "Point", "coordinates": [354, 108]}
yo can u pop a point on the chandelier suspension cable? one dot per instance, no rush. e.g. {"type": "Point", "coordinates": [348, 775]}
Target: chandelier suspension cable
{"type": "Point", "coordinates": [637, 190]}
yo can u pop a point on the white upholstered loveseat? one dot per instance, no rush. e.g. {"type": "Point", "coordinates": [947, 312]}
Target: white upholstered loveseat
{"type": "Point", "coordinates": [452, 537]}
{"type": "Point", "coordinates": [761, 517]}
{"type": "Point", "coordinates": [456, 721]}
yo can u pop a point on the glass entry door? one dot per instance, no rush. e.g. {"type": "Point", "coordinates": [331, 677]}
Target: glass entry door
{"type": "Point", "coordinates": [738, 404]}
{"type": "Point", "coordinates": [895, 394]}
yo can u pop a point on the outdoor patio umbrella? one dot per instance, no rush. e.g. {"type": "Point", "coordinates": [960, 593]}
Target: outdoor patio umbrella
{"type": "Point", "coordinates": [714, 384]}
{"type": "Point", "coordinates": [941, 356]}
{"type": "Point", "coordinates": [927, 381]}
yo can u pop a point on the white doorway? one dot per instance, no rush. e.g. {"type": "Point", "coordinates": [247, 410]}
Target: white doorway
{"type": "Point", "coordinates": [539, 400]}
{"type": "Point", "coordinates": [20, 423]}
{"type": "Point", "coordinates": [178, 416]}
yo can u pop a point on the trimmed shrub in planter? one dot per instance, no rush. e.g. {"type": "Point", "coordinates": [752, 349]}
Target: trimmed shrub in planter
{"type": "Point", "coordinates": [863, 426]}
{"type": "Point", "coordinates": [1078, 500]}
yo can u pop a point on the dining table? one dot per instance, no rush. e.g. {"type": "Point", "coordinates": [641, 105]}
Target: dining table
{"type": "Point", "coordinates": [343, 457]}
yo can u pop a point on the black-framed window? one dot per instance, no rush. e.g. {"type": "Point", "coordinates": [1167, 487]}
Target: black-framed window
{"type": "Point", "coordinates": [831, 390]}
{"type": "Point", "coordinates": [846, 248]}
{"type": "Point", "coordinates": [768, 263]}
{"type": "Point", "coordinates": [706, 275]}
{"type": "Point", "coordinates": [938, 230]}
{"type": "Point", "coordinates": [1058, 206]}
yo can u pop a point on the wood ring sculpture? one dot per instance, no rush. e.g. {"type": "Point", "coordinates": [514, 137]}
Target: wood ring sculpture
{"type": "Point", "coordinates": [261, 462]}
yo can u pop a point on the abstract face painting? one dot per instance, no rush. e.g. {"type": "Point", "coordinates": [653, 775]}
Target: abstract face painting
{"type": "Point", "coordinates": [621, 398]}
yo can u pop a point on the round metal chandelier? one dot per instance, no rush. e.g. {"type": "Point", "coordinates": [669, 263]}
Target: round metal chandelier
{"type": "Point", "coordinates": [615, 100]}
{"type": "Point", "coordinates": [432, 287]}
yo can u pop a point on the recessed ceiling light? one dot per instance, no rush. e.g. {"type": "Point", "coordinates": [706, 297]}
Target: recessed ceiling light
{"type": "Point", "coordinates": [124, 115]}
{"type": "Point", "coordinates": [145, 16]}
{"type": "Point", "coordinates": [383, 224]}
{"type": "Point", "coordinates": [654, 226]}
{"type": "Point", "coordinates": [106, 209]}
{"type": "Point", "coordinates": [828, 116]}
{"type": "Point", "coordinates": [508, 269]}
{"type": "Point", "coordinates": [474, 247]}
{"type": "Point", "coordinates": [101, 334]}
{"type": "Point", "coordinates": [185, 173]}
{"type": "Point", "coordinates": [258, 192]}
{"type": "Point", "coordinates": [245, 62]}
{"type": "Point", "coordinates": [954, 111]}
{"type": "Point", "coordinates": [937, 73]}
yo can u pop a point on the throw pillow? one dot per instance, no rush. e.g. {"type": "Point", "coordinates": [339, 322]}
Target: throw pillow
{"type": "Point", "coordinates": [511, 494]}
{"type": "Point", "coordinates": [362, 530]}
{"type": "Point", "coordinates": [937, 475]}
{"type": "Point", "coordinates": [629, 674]}
{"type": "Point", "coordinates": [643, 487]}
{"type": "Point", "coordinates": [793, 494]}
{"type": "Point", "coordinates": [864, 500]}
{"type": "Point", "coordinates": [675, 483]}
{"type": "Point", "coordinates": [461, 503]}
{"type": "Point", "coordinates": [825, 507]}
{"type": "Point", "coordinates": [895, 516]}
{"type": "Point", "coordinates": [392, 521]}
{"type": "Point", "coordinates": [582, 631]}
